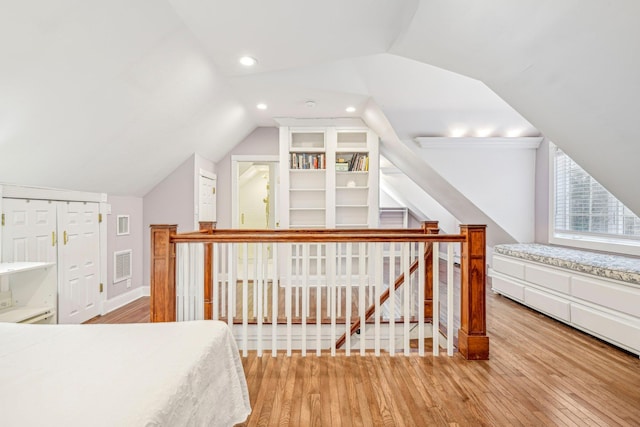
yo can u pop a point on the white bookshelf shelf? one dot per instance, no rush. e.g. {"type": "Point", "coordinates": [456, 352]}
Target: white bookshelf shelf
{"type": "Point", "coordinates": [8, 268]}
{"type": "Point", "coordinates": [26, 314]}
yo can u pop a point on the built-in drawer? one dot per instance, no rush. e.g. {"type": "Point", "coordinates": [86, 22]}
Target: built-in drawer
{"type": "Point", "coordinates": [624, 333]}
{"type": "Point", "coordinates": [548, 278]}
{"type": "Point", "coordinates": [625, 299]}
{"type": "Point", "coordinates": [508, 267]}
{"type": "Point", "coordinates": [507, 288]}
{"type": "Point", "coordinates": [549, 304]}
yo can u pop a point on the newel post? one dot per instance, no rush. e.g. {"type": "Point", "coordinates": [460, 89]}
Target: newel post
{"type": "Point", "coordinates": [208, 227]}
{"type": "Point", "coordinates": [473, 342]}
{"type": "Point", "coordinates": [429, 227]}
{"type": "Point", "coordinates": [163, 273]}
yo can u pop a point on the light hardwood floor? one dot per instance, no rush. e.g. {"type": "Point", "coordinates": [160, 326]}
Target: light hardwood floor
{"type": "Point", "coordinates": [541, 372]}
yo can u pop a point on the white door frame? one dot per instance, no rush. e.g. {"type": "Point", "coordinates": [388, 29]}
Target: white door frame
{"type": "Point", "coordinates": [235, 199]}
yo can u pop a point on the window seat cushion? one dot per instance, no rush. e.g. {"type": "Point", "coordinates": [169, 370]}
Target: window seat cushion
{"type": "Point", "coordinates": [612, 266]}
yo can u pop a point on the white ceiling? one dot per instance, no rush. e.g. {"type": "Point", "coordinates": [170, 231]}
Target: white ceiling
{"type": "Point", "coordinates": [112, 96]}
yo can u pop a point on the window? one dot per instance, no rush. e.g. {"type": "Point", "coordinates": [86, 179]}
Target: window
{"type": "Point", "coordinates": [585, 210]}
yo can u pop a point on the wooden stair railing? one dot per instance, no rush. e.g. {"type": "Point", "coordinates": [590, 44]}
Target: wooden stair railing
{"type": "Point", "coordinates": [430, 227]}
{"type": "Point", "coordinates": [473, 342]}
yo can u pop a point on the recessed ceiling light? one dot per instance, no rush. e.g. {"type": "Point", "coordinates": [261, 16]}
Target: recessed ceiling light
{"type": "Point", "coordinates": [484, 132]}
{"type": "Point", "coordinates": [248, 61]}
{"type": "Point", "coordinates": [310, 104]}
{"type": "Point", "coordinates": [350, 109]}
{"type": "Point", "coordinates": [261, 106]}
{"type": "Point", "coordinates": [457, 132]}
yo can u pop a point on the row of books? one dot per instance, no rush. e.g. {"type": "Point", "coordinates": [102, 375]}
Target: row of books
{"type": "Point", "coordinates": [308, 161]}
{"type": "Point", "coordinates": [359, 162]}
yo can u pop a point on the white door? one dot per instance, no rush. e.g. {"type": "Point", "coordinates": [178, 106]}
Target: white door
{"type": "Point", "coordinates": [207, 203]}
{"type": "Point", "coordinates": [29, 233]}
{"type": "Point", "coordinates": [78, 262]}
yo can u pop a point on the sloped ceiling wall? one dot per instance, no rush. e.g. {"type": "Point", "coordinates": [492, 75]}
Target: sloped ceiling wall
{"type": "Point", "coordinates": [107, 96]}
{"type": "Point", "coordinates": [570, 67]}
{"type": "Point", "coordinates": [112, 96]}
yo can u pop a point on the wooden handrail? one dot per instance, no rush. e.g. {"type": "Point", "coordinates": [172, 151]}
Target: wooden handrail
{"type": "Point", "coordinates": [314, 236]}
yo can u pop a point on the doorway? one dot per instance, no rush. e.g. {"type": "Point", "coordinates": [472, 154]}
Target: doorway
{"type": "Point", "coordinates": [255, 201]}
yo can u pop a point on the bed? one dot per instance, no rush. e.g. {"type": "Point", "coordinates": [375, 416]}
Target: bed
{"type": "Point", "coordinates": [154, 374]}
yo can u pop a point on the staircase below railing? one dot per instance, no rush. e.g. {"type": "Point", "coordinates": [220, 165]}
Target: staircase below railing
{"type": "Point", "coordinates": [313, 289]}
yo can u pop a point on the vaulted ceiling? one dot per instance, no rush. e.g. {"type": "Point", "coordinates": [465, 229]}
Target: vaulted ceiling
{"type": "Point", "coordinates": [111, 96]}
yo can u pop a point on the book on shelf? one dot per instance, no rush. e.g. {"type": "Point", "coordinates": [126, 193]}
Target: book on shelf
{"type": "Point", "coordinates": [307, 161]}
{"type": "Point", "coordinates": [359, 162]}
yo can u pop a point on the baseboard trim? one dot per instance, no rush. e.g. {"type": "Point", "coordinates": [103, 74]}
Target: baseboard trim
{"type": "Point", "coordinates": [124, 299]}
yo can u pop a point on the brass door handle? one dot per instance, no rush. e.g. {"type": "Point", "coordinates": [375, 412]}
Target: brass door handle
{"type": "Point", "coordinates": [65, 237]}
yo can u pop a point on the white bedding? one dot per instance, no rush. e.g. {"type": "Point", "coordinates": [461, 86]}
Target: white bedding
{"type": "Point", "coordinates": [168, 374]}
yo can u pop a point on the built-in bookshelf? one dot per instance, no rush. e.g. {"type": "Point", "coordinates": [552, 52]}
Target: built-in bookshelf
{"type": "Point", "coordinates": [352, 179]}
{"type": "Point", "coordinates": [331, 177]}
{"type": "Point", "coordinates": [307, 207]}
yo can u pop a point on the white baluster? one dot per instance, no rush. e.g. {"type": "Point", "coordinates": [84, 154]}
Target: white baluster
{"type": "Point", "coordinates": [392, 299]}
{"type": "Point", "coordinates": [421, 278]}
{"type": "Point", "coordinates": [274, 301]}
{"type": "Point", "coordinates": [216, 277]}
{"type": "Point", "coordinates": [347, 308]}
{"type": "Point", "coordinates": [245, 298]}
{"type": "Point", "coordinates": [436, 299]}
{"type": "Point", "coordinates": [332, 282]}
{"type": "Point", "coordinates": [319, 299]}
{"type": "Point", "coordinates": [287, 301]}
{"type": "Point", "coordinates": [379, 262]}
{"type": "Point", "coordinates": [231, 284]}
{"type": "Point", "coordinates": [406, 260]}
{"type": "Point", "coordinates": [258, 288]}
{"type": "Point", "coordinates": [362, 287]}
{"type": "Point", "coordinates": [305, 284]}
{"type": "Point", "coordinates": [450, 329]}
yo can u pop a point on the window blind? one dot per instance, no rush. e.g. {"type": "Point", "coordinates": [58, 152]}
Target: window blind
{"type": "Point", "coordinates": [583, 206]}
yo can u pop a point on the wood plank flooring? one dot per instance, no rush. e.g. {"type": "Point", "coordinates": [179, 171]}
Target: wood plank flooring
{"type": "Point", "coordinates": [541, 373]}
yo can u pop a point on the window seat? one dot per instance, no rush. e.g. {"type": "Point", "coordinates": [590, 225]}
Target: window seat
{"type": "Point", "coordinates": [618, 267]}
{"type": "Point", "coordinates": [594, 292]}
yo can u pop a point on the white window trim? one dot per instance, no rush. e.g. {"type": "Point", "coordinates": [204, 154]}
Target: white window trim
{"type": "Point", "coordinates": [623, 246]}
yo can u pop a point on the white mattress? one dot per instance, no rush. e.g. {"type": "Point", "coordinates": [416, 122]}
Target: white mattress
{"type": "Point", "coordinates": [169, 374]}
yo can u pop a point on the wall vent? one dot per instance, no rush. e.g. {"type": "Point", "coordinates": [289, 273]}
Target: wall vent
{"type": "Point", "coordinates": [121, 265]}
{"type": "Point", "coordinates": [123, 225]}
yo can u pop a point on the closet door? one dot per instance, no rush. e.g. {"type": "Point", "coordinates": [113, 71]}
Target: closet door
{"type": "Point", "coordinates": [29, 231]}
{"type": "Point", "coordinates": [78, 262]}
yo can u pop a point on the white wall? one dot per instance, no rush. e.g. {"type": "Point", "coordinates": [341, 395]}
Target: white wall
{"type": "Point", "coordinates": [132, 206]}
{"type": "Point", "coordinates": [411, 195]}
{"type": "Point", "coordinates": [500, 181]}
{"type": "Point", "coordinates": [262, 141]}
{"type": "Point", "coordinates": [170, 202]}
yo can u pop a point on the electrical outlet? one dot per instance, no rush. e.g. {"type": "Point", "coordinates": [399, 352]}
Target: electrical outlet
{"type": "Point", "coordinates": [128, 283]}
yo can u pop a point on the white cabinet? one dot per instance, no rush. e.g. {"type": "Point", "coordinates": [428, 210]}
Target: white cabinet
{"type": "Point", "coordinates": [28, 292]}
{"type": "Point", "coordinates": [329, 177]}
{"type": "Point", "coordinates": [606, 308]}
